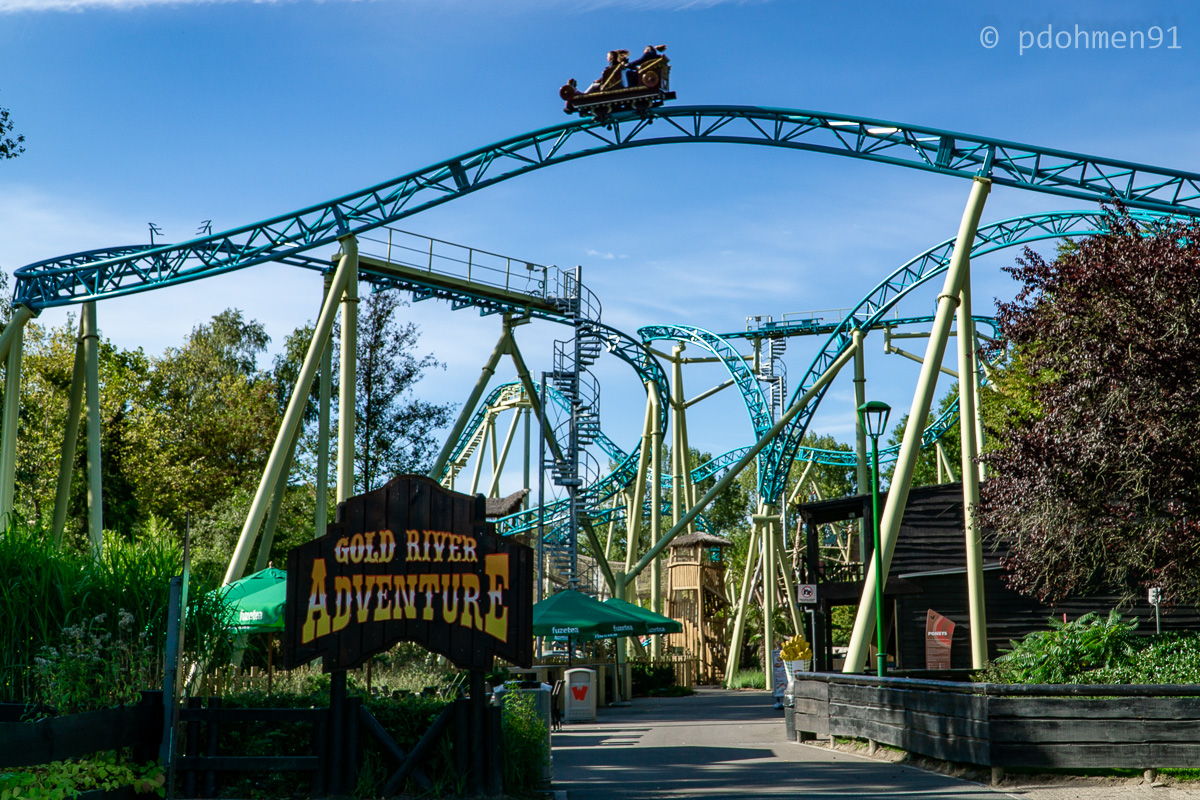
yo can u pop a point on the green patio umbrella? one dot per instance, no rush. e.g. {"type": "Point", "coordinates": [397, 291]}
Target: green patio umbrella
{"type": "Point", "coordinates": [575, 615]}
{"type": "Point", "coordinates": [653, 622]}
{"type": "Point", "coordinates": [255, 603]}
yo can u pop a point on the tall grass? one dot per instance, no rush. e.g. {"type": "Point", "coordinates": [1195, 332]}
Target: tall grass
{"type": "Point", "coordinates": [45, 591]}
{"type": "Point", "coordinates": [748, 679]}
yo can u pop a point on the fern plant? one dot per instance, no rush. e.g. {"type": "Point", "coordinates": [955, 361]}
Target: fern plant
{"type": "Point", "coordinates": [1067, 651]}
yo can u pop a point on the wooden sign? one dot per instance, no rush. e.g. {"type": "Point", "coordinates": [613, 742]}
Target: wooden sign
{"type": "Point", "coordinates": [939, 640]}
{"type": "Point", "coordinates": [410, 561]}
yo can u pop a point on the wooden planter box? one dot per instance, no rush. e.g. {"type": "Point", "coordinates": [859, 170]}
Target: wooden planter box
{"type": "Point", "coordinates": [1069, 726]}
{"type": "Point", "coordinates": [26, 744]}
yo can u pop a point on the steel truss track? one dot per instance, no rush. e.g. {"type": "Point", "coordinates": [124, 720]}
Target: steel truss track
{"type": "Point", "coordinates": [872, 308]}
{"type": "Point", "coordinates": [75, 279]}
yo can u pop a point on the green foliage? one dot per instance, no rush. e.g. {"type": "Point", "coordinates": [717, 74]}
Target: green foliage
{"type": "Point", "coordinates": [649, 678]}
{"type": "Point", "coordinates": [405, 718]}
{"type": "Point", "coordinates": [1094, 473]}
{"type": "Point", "coordinates": [90, 668]}
{"type": "Point", "coordinates": [748, 679]}
{"type": "Point", "coordinates": [526, 744]}
{"type": "Point", "coordinates": [1091, 650]}
{"type": "Point", "coordinates": [842, 622]}
{"type": "Point", "coordinates": [1067, 651]}
{"type": "Point", "coordinates": [206, 420]}
{"type": "Point", "coordinates": [1168, 658]}
{"type": "Point", "coordinates": [62, 606]}
{"type": "Point", "coordinates": [66, 779]}
{"type": "Point", "coordinates": [9, 147]}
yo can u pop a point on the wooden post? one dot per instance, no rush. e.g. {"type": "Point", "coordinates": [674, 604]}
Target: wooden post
{"type": "Point", "coordinates": [462, 742]}
{"type": "Point", "coordinates": [352, 751]}
{"type": "Point", "coordinates": [211, 750]}
{"type": "Point", "coordinates": [476, 771]}
{"type": "Point", "coordinates": [494, 780]}
{"type": "Point", "coordinates": [192, 749]}
{"type": "Point", "coordinates": [337, 724]}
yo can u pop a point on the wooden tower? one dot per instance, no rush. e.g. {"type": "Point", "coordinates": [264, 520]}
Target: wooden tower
{"type": "Point", "coordinates": [695, 597]}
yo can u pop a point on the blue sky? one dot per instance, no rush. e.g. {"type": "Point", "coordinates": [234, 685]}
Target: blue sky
{"type": "Point", "coordinates": [235, 111]}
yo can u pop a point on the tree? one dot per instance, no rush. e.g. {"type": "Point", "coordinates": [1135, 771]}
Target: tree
{"type": "Point", "coordinates": [1096, 470]}
{"type": "Point", "coordinates": [45, 388]}
{"type": "Point", "coordinates": [206, 421]}
{"type": "Point", "coordinates": [9, 147]}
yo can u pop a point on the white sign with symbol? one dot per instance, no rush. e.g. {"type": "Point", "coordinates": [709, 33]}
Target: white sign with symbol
{"type": "Point", "coordinates": [806, 593]}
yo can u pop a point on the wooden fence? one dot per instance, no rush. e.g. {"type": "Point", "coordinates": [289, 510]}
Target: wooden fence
{"type": "Point", "coordinates": [997, 725]}
{"type": "Point", "coordinates": [25, 744]}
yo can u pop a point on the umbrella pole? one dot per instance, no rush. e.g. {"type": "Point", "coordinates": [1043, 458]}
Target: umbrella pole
{"type": "Point", "coordinates": [270, 660]}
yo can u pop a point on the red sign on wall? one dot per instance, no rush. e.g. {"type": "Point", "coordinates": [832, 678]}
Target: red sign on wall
{"type": "Point", "coordinates": [410, 561]}
{"type": "Point", "coordinates": [939, 637]}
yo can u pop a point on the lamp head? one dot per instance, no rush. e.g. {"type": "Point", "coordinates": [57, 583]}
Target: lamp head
{"type": "Point", "coordinates": [875, 416]}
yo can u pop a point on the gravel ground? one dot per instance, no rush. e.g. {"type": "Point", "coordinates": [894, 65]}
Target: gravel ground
{"type": "Point", "coordinates": [1046, 787]}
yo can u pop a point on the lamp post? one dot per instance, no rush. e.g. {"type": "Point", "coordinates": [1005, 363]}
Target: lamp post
{"type": "Point", "coordinates": [873, 416]}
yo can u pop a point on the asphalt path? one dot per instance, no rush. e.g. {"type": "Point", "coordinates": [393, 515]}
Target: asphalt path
{"type": "Point", "coordinates": [725, 745]}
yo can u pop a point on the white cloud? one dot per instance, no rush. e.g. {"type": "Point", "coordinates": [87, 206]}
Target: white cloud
{"type": "Point", "coordinates": [16, 6]}
{"type": "Point", "coordinates": [604, 256]}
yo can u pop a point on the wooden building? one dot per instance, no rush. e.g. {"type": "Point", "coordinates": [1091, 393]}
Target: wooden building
{"type": "Point", "coordinates": [695, 597]}
{"type": "Point", "coordinates": [929, 573]}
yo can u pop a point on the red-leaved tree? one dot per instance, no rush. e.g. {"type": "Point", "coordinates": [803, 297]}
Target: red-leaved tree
{"type": "Point", "coordinates": [1095, 479]}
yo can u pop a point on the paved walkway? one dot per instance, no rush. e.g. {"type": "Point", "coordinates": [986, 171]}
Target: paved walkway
{"type": "Point", "coordinates": [724, 745]}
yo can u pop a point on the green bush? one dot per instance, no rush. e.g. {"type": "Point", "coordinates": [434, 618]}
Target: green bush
{"type": "Point", "coordinates": [525, 744]}
{"type": "Point", "coordinates": [64, 779]}
{"type": "Point", "coordinates": [649, 678]}
{"type": "Point", "coordinates": [748, 679]}
{"type": "Point", "coordinates": [1068, 651]}
{"type": "Point", "coordinates": [405, 718]}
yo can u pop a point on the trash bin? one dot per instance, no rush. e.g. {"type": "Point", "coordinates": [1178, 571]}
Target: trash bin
{"type": "Point", "coordinates": [579, 699]}
{"type": "Point", "coordinates": [542, 699]}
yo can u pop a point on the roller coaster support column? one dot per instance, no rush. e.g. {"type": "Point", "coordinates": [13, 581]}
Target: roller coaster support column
{"type": "Point", "coordinates": [91, 394]}
{"type": "Point", "coordinates": [637, 495]}
{"type": "Point", "coordinates": [488, 427]}
{"type": "Point", "coordinates": [967, 419]}
{"type": "Point", "coordinates": [739, 619]}
{"type": "Point", "coordinates": [861, 474]}
{"type": "Point", "coordinates": [525, 414]}
{"type": "Point", "coordinates": [683, 492]}
{"type": "Point", "coordinates": [765, 519]}
{"type": "Point", "coordinates": [977, 376]}
{"type": "Point", "coordinates": [294, 413]}
{"type": "Point", "coordinates": [262, 560]}
{"type": "Point", "coordinates": [66, 466]}
{"type": "Point", "coordinates": [530, 392]}
{"type": "Point", "coordinates": [656, 442]}
{"type": "Point", "coordinates": [325, 398]}
{"type": "Point", "coordinates": [785, 572]}
{"type": "Point", "coordinates": [678, 494]}
{"type": "Point", "coordinates": [14, 333]}
{"type": "Point", "coordinates": [918, 415]}
{"type": "Point", "coordinates": [349, 380]}
{"type": "Point", "coordinates": [498, 465]}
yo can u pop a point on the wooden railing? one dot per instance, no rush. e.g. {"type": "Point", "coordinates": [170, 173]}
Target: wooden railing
{"type": "Point", "coordinates": [998, 725]}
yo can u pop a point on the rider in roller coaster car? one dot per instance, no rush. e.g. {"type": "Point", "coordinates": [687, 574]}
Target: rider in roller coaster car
{"type": "Point", "coordinates": [623, 86]}
{"type": "Point", "coordinates": [649, 59]}
{"type": "Point", "coordinates": [610, 79]}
